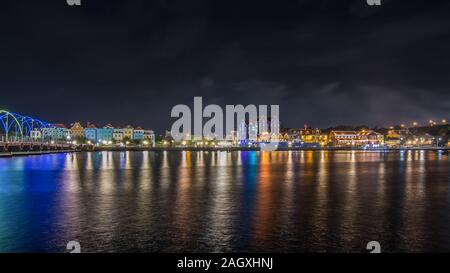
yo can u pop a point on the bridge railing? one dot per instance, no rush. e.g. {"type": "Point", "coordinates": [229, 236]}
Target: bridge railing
{"type": "Point", "coordinates": [17, 127]}
{"type": "Point", "coordinates": [29, 140]}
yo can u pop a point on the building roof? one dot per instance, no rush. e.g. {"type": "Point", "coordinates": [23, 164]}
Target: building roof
{"type": "Point", "coordinates": [344, 132]}
{"type": "Point", "coordinates": [310, 131]}
{"type": "Point", "coordinates": [91, 125]}
{"type": "Point", "coordinates": [76, 124]}
{"type": "Point", "coordinates": [368, 133]}
{"type": "Point", "coordinates": [60, 125]}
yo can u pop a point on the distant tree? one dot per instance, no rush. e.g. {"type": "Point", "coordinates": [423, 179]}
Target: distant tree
{"type": "Point", "coordinates": [127, 140]}
{"type": "Point", "coordinates": [80, 140]}
{"type": "Point", "coordinates": [159, 138]}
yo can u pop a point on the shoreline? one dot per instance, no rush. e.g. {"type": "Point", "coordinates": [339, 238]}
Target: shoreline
{"type": "Point", "coordinates": [30, 153]}
{"type": "Point", "coordinates": [206, 149]}
{"type": "Point", "coordinates": [256, 149]}
{"type": "Point", "coordinates": [237, 149]}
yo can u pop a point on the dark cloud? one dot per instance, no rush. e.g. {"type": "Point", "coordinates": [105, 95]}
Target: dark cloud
{"type": "Point", "coordinates": [325, 62]}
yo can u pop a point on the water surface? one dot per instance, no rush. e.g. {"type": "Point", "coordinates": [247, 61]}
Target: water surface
{"type": "Point", "coordinates": [301, 201]}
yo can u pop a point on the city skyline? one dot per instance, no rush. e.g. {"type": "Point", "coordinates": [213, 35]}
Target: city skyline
{"type": "Point", "coordinates": [300, 124]}
{"type": "Point", "coordinates": [19, 130]}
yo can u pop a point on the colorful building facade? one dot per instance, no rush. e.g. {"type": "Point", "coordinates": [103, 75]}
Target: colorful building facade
{"type": "Point", "coordinates": [76, 130]}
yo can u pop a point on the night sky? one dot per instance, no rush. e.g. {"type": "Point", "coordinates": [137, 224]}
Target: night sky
{"type": "Point", "coordinates": [325, 62]}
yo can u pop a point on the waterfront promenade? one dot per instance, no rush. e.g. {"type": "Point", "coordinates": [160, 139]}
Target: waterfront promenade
{"type": "Point", "coordinates": [231, 149]}
{"type": "Point", "coordinates": [10, 149]}
{"type": "Point", "coordinates": [28, 153]}
{"type": "Point", "coordinates": [70, 149]}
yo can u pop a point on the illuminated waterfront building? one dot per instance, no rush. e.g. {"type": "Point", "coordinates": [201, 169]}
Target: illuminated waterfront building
{"type": "Point", "coordinates": [253, 129]}
{"type": "Point", "coordinates": [149, 136]}
{"type": "Point", "coordinates": [36, 134]}
{"type": "Point", "coordinates": [263, 126]}
{"type": "Point", "coordinates": [197, 138]}
{"type": "Point", "coordinates": [402, 137]}
{"type": "Point", "coordinates": [264, 136]}
{"type": "Point", "coordinates": [105, 134]}
{"type": "Point", "coordinates": [231, 139]}
{"type": "Point", "coordinates": [309, 135]}
{"type": "Point", "coordinates": [90, 132]}
{"type": "Point", "coordinates": [343, 138]}
{"type": "Point", "coordinates": [99, 135]}
{"type": "Point", "coordinates": [293, 134]}
{"type": "Point", "coordinates": [138, 133]}
{"type": "Point", "coordinates": [76, 130]}
{"type": "Point", "coordinates": [370, 137]}
{"type": "Point", "coordinates": [361, 138]}
{"type": "Point", "coordinates": [283, 136]}
{"type": "Point", "coordinates": [118, 134]}
{"type": "Point", "coordinates": [304, 137]}
{"type": "Point", "coordinates": [274, 128]}
{"type": "Point", "coordinates": [58, 132]}
{"type": "Point", "coordinates": [128, 132]}
{"type": "Point", "coordinates": [242, 133]}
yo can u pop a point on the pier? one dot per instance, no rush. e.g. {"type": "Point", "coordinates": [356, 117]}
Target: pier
{"type": "Point", "coordinates": [10, 149]}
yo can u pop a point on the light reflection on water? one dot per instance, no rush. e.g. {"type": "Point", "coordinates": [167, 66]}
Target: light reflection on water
{"type": "Point", "coordinates": [226, 202]}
